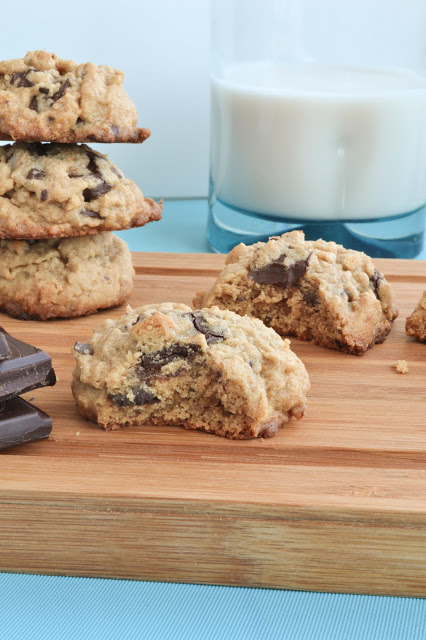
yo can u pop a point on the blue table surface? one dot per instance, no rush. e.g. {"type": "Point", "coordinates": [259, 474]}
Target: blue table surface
{"type": "Point", "coordinates": [63, 608]}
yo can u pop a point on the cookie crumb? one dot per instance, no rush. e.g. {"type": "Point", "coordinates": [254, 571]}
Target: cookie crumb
{"type": "Point", "coordinates": [77, 433]}
{"type": "Point", "coordinates": [401, 366]}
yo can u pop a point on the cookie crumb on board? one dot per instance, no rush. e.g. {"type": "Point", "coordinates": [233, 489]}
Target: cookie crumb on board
{"type": "Point", "coordinates": [401, 366]}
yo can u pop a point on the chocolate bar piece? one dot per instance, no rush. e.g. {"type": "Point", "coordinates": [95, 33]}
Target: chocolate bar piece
{"type": "Point", "coordinates": [22, 422]}
{"type": "Point", "coordinates": [5, 352]}
{"type": "Point", "coordinates": [22, 367]}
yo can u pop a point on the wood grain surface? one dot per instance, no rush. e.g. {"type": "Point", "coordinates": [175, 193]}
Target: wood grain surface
{"type": "Point", "coordinates": [335, 502]}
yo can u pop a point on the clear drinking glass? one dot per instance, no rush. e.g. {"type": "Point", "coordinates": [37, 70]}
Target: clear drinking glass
{"type": "Point", "coordinates": [318, 121]}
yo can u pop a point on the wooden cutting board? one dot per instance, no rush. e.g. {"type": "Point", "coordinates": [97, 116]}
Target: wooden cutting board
{"type": "Point", "coordinates": [335, 502]}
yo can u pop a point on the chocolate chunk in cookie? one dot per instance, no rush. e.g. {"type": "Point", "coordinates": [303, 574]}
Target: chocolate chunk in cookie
{"type": "Point", "coordinates": [152, 362]}
{"type": "Point", "coordinates": [85, 348]}
{"type": "Point", "coordinates": [207, 324]}
{"type": "Point", "coordinates": [137, 397]}
{"type": "Point", "coordinates": [36, 174]}
{"type": "Point", "coordinates": [91, 193]}
{"type": "Point", "coordinates": [279, 273]}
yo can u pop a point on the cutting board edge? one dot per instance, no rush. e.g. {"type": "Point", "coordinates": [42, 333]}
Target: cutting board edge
{"type": "Point", "coordinates": [184, 545]}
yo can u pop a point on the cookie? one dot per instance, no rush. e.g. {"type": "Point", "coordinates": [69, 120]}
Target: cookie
{"type": "Point", "coordinates": [55, 190]}
{"type": "Point", "coordinates": [208, 369]}
{"type": "Point", "coordinates": [44, 98]}
{"type": "Point", "coordinates": [316, 291]}
{"type": "Point", "coordinates": [415, 325]}
{"type": "Point", "coordinates": [64, 277]}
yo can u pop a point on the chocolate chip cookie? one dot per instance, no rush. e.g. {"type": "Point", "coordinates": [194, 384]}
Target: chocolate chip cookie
{"type": "Point", "coordinates": [415, 325]}
{"type": "Point", "coordinates": [64, 277]}
{"type": "Point", "coordinates": [55, 190]}
{"type": "Point", "coordinates": [207, 369]}
{"type": "Point", "coordinates": [317, 291]}
{"type": "Point", "coordinates": [44, 98]}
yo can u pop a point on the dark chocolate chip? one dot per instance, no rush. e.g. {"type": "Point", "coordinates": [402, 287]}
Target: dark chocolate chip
{"type": "Point", "coordinates": [375, 280]}
{"type": "Point", "coordinates": [91, 193]}
{"type": "Point", "coordinates": [117, 173]}
{"type": "Point", "coordinates": [91, 137]}
{"type": "Point", "coordinates": [201, 324]}
{"type": "Point", "coordinates": [310, 297]}
{"type": "Point", "coordinates": [19, 79]}
{"type": "Point", "coordinates": [8, 194]}
{"type": "Point", "coordinates": [144, 397]}
{"type": "Point", "coordinates": [114, 129]}
{"type": "Point", "coordinates": [150, 362]}
{"type": "Point", "coordinates": [36, 174]}
{"type": "Point", "coordinates": [339, 344]}
{"type": "Point", "coordinates": [43, 196]}
{"type": "Point", "coordinates": [93, 167]}
{"type": "Point", "coordinates": [280, 274]}
{"type": "Point", "coordinates": [43, 90]}
{"type": "Point", "coordinates": [84, 347]}
{"type": "Point", "coordinates": [61, 91]}
{"type": "Point", "coordinates": [80, 121]}
{"type": "Point", "coordinates": [141, 397]}
{"type": "Point", "coordinates": [76, 175]}
{"type": "Point", "coordinates": [88, 213]}
{"type": "Point", "coordinates": [33, 104]}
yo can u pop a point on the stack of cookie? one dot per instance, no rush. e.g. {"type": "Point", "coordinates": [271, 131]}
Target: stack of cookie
{"type": "Point", "coordinates": [60, 201]}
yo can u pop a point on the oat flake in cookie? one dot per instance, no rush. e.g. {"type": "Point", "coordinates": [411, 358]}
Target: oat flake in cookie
{"type": "Point", "coordinates": [64, 277]}
{"type": "Point", "coordinates": [55, 190]}
{"type": "Point", "coordinates": [44, 98]}
{"type": "Point", "coordinates": [317, 291]}
{"type": "Point", "coordinates": [415, 325]}
{"type": "Point", "coordinates": [206, 369]}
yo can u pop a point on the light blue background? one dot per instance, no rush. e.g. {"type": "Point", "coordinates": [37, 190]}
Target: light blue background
{"type": "Point", "coordinates": [182, 230]}
{"type": "Point", "coordinates": [53, 608]}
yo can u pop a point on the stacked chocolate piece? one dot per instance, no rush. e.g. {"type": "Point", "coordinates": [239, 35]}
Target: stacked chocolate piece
{"type": "Point", "coordinates": [60, 201]}
{"type": "Point", "coordinates": [22, 368]}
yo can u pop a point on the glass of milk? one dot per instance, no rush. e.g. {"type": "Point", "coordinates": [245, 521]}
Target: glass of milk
{"type": "Point", "coordinates": [318, 121]}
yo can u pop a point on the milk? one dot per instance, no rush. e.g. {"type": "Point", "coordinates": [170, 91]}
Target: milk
{"type": "Point", "coordinates": [314, 142]}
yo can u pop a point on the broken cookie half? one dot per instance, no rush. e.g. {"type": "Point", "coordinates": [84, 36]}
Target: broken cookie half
{"type": "Point", "coordinates": [206, 369]}
{"type": "Point", "coordinates": [415, 324]}
{"type": "Point", "coordinates": [314, 290]}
